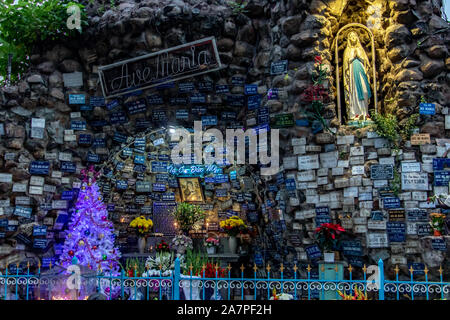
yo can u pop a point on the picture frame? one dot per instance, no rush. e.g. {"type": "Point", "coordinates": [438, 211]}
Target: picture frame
{"type": "Point", "coordinates": [191, 190]}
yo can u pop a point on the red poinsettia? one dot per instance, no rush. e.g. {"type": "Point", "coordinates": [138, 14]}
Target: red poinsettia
{"type": "Point", "coordinates": [328, 234]}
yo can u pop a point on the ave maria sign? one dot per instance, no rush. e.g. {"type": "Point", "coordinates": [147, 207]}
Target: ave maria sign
{"type": "Point", "coordinates": [154, 69]}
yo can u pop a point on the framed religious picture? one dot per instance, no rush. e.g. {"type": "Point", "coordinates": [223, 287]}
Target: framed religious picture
{"type": "Point", "coordinates": [190, 190]}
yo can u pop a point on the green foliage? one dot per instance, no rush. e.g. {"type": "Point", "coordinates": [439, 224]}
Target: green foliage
{"type": "Point", "coordinates": [197, 260]}
{"type": "Point", "coordinates": [187, 215]}
{"type": "Point", "coordinates": [408, 126]}
{"type": "Point", "coordinates": [135, 264]}
{"type": "Point", "coordinates": [389, 128]}
{"type": "Point", "coordinates": [27, 22]}
{"type": "Point", "coordinates": [238, 7]}
{"type": "Point", "coordinates": [316, 95]}
{"type": "Point", "coordinates": [396, 182]}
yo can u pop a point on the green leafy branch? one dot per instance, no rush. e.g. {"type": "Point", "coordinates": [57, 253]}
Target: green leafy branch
{"type": "Point", "coordinates": [238, 7]}
{"type": "Point", "coordinates": [389, 128]}
{"type": "Point", "coordinates": [24, 23]}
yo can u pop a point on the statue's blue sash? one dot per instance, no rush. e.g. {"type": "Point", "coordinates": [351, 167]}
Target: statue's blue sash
{"type": "Point", "coordinates": [358, 69]}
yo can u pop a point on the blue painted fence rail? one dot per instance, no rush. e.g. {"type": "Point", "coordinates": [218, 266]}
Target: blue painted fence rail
{"type": "Point", "coordinates": [176, 286]}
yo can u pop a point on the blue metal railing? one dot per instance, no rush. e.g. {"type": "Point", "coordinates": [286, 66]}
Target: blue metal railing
{"type": "Point", "coordinates": [174, 285]}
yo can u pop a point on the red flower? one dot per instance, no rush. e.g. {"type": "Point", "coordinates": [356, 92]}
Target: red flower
{"type": "Point", "coordinates": [315, 93]}
{"type": "Point", "coordinates": [318, 59]}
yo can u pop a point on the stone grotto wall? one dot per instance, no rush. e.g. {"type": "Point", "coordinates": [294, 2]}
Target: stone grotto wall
{"type": "Point", "coordinates": [329, 170]}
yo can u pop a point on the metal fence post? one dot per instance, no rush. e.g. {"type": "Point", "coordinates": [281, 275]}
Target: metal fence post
{"type": "Point", "coordinates": [380, 280]}
{"type": "Point", "coordinates": [176, 280]}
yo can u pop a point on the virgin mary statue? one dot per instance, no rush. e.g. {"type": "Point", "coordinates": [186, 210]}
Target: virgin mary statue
{"type": "Point", "coordinates": [356, 84]}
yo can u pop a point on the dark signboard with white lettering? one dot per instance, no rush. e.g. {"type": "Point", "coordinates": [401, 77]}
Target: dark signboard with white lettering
{"type": "Point", "coordinates": [154, 69]}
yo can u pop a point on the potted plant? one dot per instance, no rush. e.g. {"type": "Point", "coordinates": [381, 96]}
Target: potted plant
{"type": "Point", "coordinates": [212, 270]}
{"type": "Point", "coordinates": [163, 246]}
{"type": "Point", "coordinates": [187, 215]}
{"type": "Point", "coordinates": [142, 225]}
{"type": "Point", "coordinates": [162, 264]}
{"type": "Point", "coordinates": [191, 273]}
{"type": "Point", "coordinates": [181, 243]}
{"type": "Point", "coordinates": [328, 235]}
{"type": "Point", "coordinates": [233, 226]}
{"type": "Point", "coordinates": [211, 245]}
{"type": "Point", "coordinates": [437, 223]}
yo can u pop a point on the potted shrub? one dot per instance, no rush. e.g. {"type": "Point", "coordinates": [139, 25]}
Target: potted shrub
{"type": "Point", "coordinates": [233, 226]}
{"type": "Point", "coordinates": [187, 215]}
{"type": "Point", "coordinates": [181, 243]}
{"type": "Point", "coordinates": [142, 226]}
{"type": "Point", "coordinates": [191, 272]}
{"type": "Point", "coordinates": [163, 246]}
{"type": "Point", "coordinates": [211, 245]}
{"type": "Point", "coordinates": [437, 223]}
{"type": "Point", "coordinates": [328, 235]}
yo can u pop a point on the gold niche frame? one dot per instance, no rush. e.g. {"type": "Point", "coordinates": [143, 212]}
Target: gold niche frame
{"type": "Point", "coordinates": [191, 190]}
{"type": "Point", "coordinates": [336, 57]}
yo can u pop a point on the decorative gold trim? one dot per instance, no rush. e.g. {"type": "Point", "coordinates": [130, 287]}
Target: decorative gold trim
{"type": "Point", "coordinates": [374, 80]}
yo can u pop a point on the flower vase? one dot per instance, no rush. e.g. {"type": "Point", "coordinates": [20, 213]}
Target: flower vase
{"type": "Point", "coordinates": [211, 250]}
{"type": "Point", "coordinates": [142, 244]}
{"type": "Point", "coordinates": [328, 257]}
{"type": "Point", "coordinates": [191, 287]}
{"type": "Point", "coordinates": [232, 244]}
{"type": "Point", "coordinates": [437, 233]}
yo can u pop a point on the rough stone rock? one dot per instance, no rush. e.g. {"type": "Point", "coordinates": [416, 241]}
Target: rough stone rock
{"type": "Point", "coordinates": [298, 86]}
{"type": "Point", "coordinates": [262, 60]}
{"type": "Point", "coordinates": [437, 52]}
{"type": "Point", "coordinates": [434, 128]}
{"type": "Point", "coordinates": [437, 23]}
{"type": "Point", "coordinates": [14, 131]}
{"type": "Point", "coordinates": [24, 87]}
{"type": "Point", "coordinates": [314, 21]}
{"type": "Point", "coordinates": [305, 71]}
{"type": "Point", "coordinates": [243, 49]}
{"type": "Point", "coordinates": [247, 34]}
{"type": "Point", "coordinates": [15, 144]}
{"type": "Point", "coordinates": [398, 53]}
{"type": "Point", "coordinates": [47, 67]}
{"type": "Point", "coordinates": [291, 25]}
{"type": "Point", "coordinates": [11, 91]}
{"type": "Point", "coordinates": [432, 68]}
{"type": "Point", "coordinates": [55, 79]}
{"type": "Point", "coordinates": [293, 53]}
{"type": "Point", "coordinates": [304, 38]}
{"type": "Point", "coordinates": [399, 5]}
{"type": "Point", "coordinates": [230, 28]}
{"type": "Point", "coordinates": [57, 93]}
{"type": "Point", "coordinates": [406, 17]}
{"type": "Point", "coordinates": [62, 107]}
{"type": "Point", "coordinates": [410, 63]}
{"type": "Point", "coordinates": [409, 75]}
{"type": "Point", "coordinates": [35, 79]}
{"type": "Point", "coordinates": [225, 44]}
{"type": "Point", "coordinates": [58, 53]}
{"type": "Point", "coordinates": [70, 65]}
{"type": "Point", "coordinates": [19, 174]}
{"type": "Point", "coordinates": [21, 111]}
{"type": "Point", "coordinates": [397, 34]}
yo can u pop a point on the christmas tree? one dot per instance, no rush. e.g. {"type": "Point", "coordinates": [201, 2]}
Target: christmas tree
{"type": "Point", "coordinates": [90, 239]}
